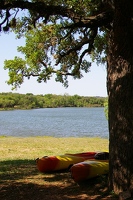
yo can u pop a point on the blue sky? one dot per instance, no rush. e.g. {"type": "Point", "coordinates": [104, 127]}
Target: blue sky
{"type": "Point", "coordinates": [92, 84]}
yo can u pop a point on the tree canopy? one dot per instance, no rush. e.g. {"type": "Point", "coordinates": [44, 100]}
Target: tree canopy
{"type": "Point", "coordinates": [60, 37]}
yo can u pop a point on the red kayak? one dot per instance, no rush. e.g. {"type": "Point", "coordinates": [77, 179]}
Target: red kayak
{"type": "Point", "coordinates": [89, 169]}
{"type": "Point", "coordinates": [84, 154]}
{"type": "Point", "coordinates": [61, 162]}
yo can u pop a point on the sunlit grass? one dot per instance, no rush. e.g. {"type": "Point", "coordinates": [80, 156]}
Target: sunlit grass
{"type": "Point", "coordinates": [33, 147]}
{"type": "Point", "coordinates": [18, 167]}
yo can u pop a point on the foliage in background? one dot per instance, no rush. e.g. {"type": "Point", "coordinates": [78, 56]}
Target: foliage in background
{"type": "Point", "coordinates": [29, 101]}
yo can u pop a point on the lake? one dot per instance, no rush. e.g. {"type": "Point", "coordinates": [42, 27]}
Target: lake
{"type": "Point", "coordinates": [56, 122]}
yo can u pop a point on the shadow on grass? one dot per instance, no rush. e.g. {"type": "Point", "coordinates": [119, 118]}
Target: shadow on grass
{"type": "Point", "coordinates": [16, 169]}
{"type": "Point", "coordinates": [20, 179]}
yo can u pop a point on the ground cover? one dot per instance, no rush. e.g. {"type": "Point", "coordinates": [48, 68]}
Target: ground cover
{"type": "Point", "coordinates": [20, 179]}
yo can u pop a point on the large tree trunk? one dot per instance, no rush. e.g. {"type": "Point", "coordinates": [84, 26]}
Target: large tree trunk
{"type": "Point", "coordinates": [120, 93]}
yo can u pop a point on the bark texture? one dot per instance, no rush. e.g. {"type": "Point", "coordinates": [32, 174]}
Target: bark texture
{"type": "Point", "coordinates": [120, 92]}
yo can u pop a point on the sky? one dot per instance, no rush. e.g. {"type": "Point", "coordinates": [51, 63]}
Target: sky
{"type": "Point", "coordinates": [92, 84]}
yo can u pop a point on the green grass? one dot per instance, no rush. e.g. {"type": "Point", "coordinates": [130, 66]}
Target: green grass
{"type": "Point", "coordinates": [19, 174]}
{"type": "Point", "coordinates": [30, 148]}
{"type": "Point", "coordinates": [18, 154]}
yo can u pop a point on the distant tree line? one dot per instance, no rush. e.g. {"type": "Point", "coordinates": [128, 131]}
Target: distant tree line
{"type": "Point", "coordinates": [29, 101]}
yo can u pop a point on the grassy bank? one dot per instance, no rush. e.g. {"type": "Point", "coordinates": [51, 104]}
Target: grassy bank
{"type": "Point", "coordinates": [20, 179]}
{"type": "Point", "coordinates": [33, 147]}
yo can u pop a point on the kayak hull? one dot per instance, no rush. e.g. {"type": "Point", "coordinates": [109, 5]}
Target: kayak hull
{"type": "Point", "coordinates": [89, 169]}
{"type": "Point", "coordinates": [62, 162]}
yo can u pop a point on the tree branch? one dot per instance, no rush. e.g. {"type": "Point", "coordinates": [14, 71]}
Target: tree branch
{"type": "Point", "coordinates": [86, 40]}
{"type": "Point", "coordinates": [45, 10]}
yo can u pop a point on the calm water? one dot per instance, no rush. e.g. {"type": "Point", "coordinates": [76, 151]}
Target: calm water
{"type": "Point", "coordinates": [57, 122]}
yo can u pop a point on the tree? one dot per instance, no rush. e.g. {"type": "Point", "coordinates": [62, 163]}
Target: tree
{"type": "Point", "coordinates": [106, 108]}
{"type": "Point", "coordinates": [69, 31]}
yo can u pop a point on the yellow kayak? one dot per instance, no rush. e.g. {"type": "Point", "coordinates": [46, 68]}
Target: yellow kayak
{"type": "Point", "coordinates": [61, 162]}
{"type": "Point", "coordinates": [89, 169]}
